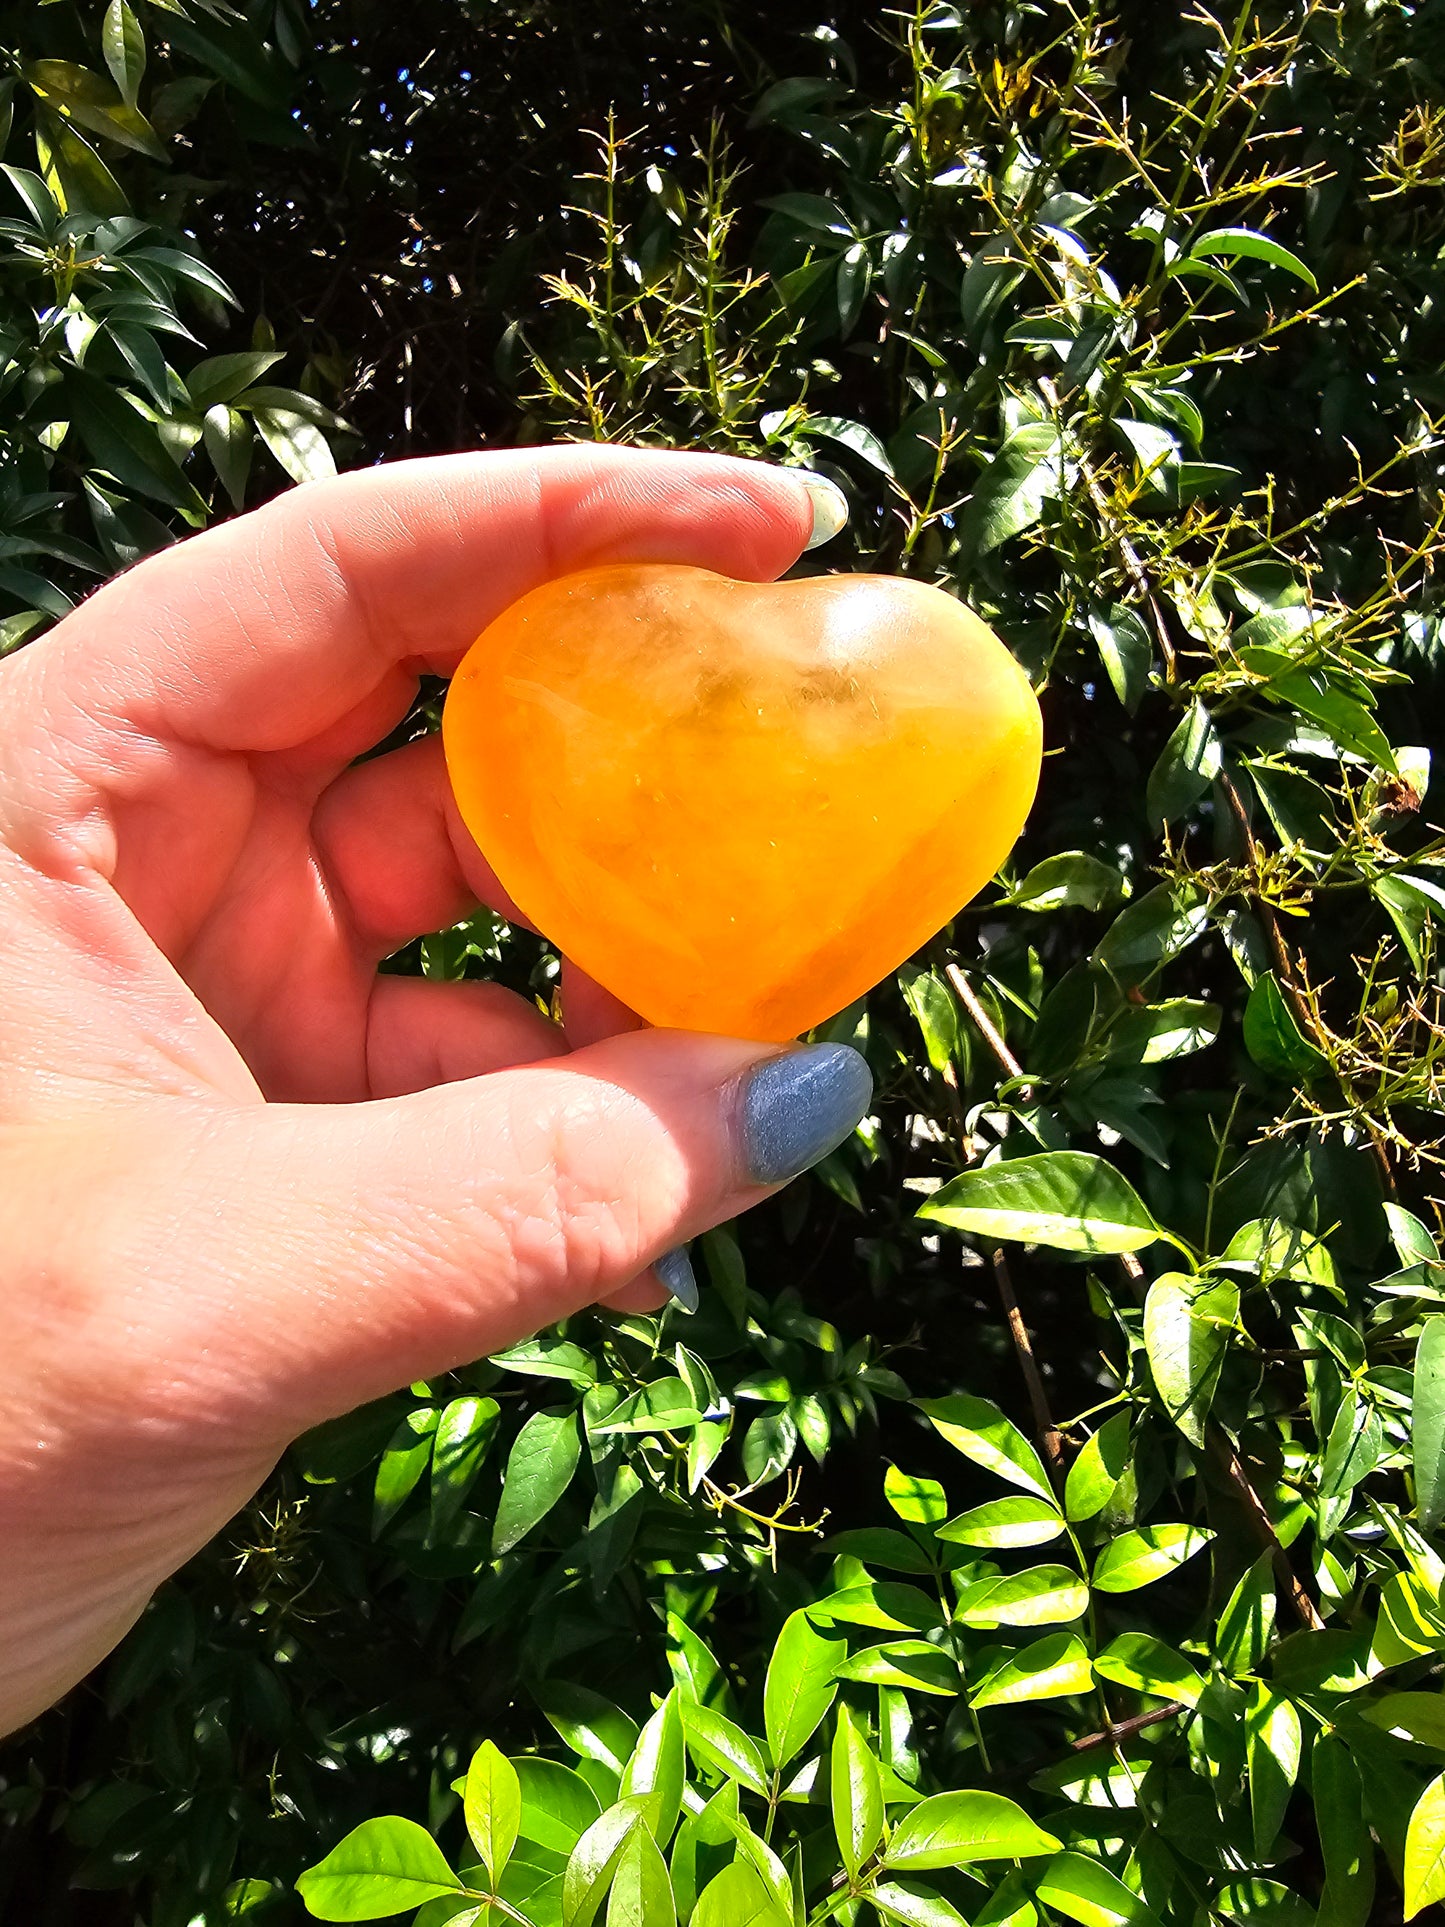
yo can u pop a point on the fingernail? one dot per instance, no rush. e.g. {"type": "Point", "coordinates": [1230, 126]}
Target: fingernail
{"type": "Point", "coordinates": [798, 1107]}
{"type": "Point", "coordinates": [830, 509]}
{"type": "Point", "coordinates": [675, 1271]}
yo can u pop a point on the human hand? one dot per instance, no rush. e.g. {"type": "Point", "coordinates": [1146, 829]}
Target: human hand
{"type": "Point", "coordinates": [245, 1182]}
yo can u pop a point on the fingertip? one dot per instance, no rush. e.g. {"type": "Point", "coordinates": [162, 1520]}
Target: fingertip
{"type": "Point", "coordinates": [643, 1295]}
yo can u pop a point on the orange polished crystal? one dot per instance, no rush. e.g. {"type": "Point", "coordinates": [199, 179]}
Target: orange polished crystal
{"type": "Point", "coordinates": [738, 805]}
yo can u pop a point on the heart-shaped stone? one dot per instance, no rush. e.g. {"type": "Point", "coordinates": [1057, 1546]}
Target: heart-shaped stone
{"type": "Point", "coordinates": [738, 805]}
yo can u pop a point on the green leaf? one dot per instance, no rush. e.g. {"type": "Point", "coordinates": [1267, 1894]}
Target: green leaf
{"type": "Point", "coordinates": [593, 1861]}
{"type": "Point", "coordinates": [1413, 1243]}
{"type": "Point", "coordinates": [1140, 1558]}
{"type": "Point", "coordinates": [911, 1664]}
{"type": "Point", "coordinates": [716, 1743]}
{"type": "Point", "coordinates": [1086, 1891]}
{"type": "Point", "coordinates": [1187, 765]}
{"type": "Point", "coordinates": [914, 1906]}
{"type": "Point", "coordinates": [1273, 1038]}
{"type": "Point", "coordinates": [935, 1013]}
{"type": "Point", "coordinates": [1355, 1445]}
{"type": "Point", "coordinates": [1242, 243]}
{"type": "Point", "coordinates": [1055, 1667]}
{"type": "Point", "coordinates": [1124, 649]}
{"type": "Point", "coordinates": [1010, 1905]}
{"type": "Point", "coordinates": [1186, 1335]}
{"type": "Point", "coordinates": [1262, 1903]}
{"type": "Point", "coordinates": [738, 1897]}
{"type": "Point", "coordinates": [1067, 1200]}
{"type": "Point", "coordinates": [812, 211]}
{"type": "Point", "coordinates": [1416, 1717]}
{"type": "Point", "coordinates": [1425, 1850]}
{"type": "Point", "coordinates": [1427, 1424]}
{"type": "Point", "coordinates": [540, 1465]}
{"type": "Point", "coordinates": [79, 95]}
{"type": "Point", "coordinates": [1151, 930]}
{"type": "Point", "coordinates": [1070, 880]}
{"type": "Point", "coordinates": [221, 378]}
{"type": "Point", "coordinates": [979, 1430]}
{"type": "Point", "coordinates": [658, 1767]}
{"type": "Point", "coordinates": [1272, 1744]}
{"type": "Point", "coordinates": [298, 444]}
{"type": "Point", "coordinates": [549, 1357]}
{"type": "Point", "coordinates": [126, 444]}
{"type": "Point", "coordinates": [850, 435]}
{"type": "Point", "coordinates": [1042, 1596]}
{"type": "Point", "coordinates": [667, 1405]}
{"type": "Point", "coordinates": [558, 1806]}
{"type": "Point", "coordinates": [1009, 495]}
{"type": "Point", "coordinates": [641, 1893]}
{"type": "Point", "coordinates": [1005, 1523]}
{"type": "Point", "coordinates": [1147, 1665]}
{"type": "Point", "coordinates": [1346, 1848]}
{"type": "Point", "coordinates": [1094, 1476]}
{"type": "Point", "coordinates": [879, 1546]}
{"type": "Point", "coordinates": [123, 45]}
{"type": "Point", "coordinates": [799, 1687]}
{"type": "Point", "coordinates": [765, 1863]}
{"type": "Point", "coordinates": [1347, 723]}
{"type": "Point", "coordinates": [229, 441]}
{"type": "Point", "coordinates": [402, 1465]}
{"type": "Point", "coordinates": [918, 1502]}
{"type": "Point", "coordinates": [1159, 1033]}
{"type": "Point", "coordinates": [769, 1445]}
{"type": "Point", "coordinates": [1300, 811]}
{"type": "Point", "coordinates": [464, 1436]}
{"type": "Point", "coordinates": [492, 1803]}
{"type": "Point", "coordinates": [1246, 1626]}
{"type": "Point", "coordinates": [960, 1829]}
{"type": "Point", "coordinates": [1276, 1250]}
{"type": "Point", "coordinates": [40, 203]}
{"type": "Point", "coordinates": [592, 1726]}
{"type": "Point", "coordinates": [890, 1606]}
{"type": "Point", "coordinates": [381, 1867]}
{"type": "Point", "coordinates": [856, 1793]}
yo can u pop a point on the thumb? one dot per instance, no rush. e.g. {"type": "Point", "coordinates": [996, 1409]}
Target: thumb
{"type": "Point", "coordinates": [379, 1243]}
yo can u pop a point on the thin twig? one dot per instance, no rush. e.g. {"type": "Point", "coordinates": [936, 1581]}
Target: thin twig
{"type": "Point", "coordinates": [1126, 1729]}
{"type": "Point", "coordinates": [1112, 1735]}
{"type": "Point", "coordinates": [1222, 1455]}
{"type": "Point", "coordinates": [1049, 1435]}
{"type": "Point", "coordinates": [1225, 1459]}
{"type": "Point", "coordinates": [1128, 554]}
{"type": "Point", "coordinates": [1306, 1018]}
{"type": "Point", "coordinates": [985, 1025]}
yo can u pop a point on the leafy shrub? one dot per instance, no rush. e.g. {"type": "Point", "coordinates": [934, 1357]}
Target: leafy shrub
{"type": "Point", "coordinates": [1040, 1519]}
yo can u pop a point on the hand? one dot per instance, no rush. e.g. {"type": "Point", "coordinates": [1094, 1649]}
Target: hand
{"type": "Point", "coordinates": [245, 1182]}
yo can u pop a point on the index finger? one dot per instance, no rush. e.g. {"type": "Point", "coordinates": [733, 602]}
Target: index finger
{"type": "Point", "coordinates": [264, 633]}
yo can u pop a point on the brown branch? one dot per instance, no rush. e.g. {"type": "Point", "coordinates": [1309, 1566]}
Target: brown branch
{"type": "Point", "coordinates": [1112, 1735]}
{"type": "Point", "coordinates": [1049, 1436]}
{"type": "Point", "coordinates": [1126, 1729]}
{"type": "Point", "coordinates": [1134, 1272]}
{"type": "Point", "coordinates": [985, 1025]}
{"type": "Point", "coordinates": [1222, 1454]}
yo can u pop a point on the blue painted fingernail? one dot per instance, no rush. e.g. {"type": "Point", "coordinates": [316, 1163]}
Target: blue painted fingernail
{"type": "Point", "coordinates": [798, 1107]}
{"type": "Point", "coordinates": [675, 1270]}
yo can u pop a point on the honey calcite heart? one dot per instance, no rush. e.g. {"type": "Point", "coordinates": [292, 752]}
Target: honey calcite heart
{"type": "Point", "coordinates": [738, 805]}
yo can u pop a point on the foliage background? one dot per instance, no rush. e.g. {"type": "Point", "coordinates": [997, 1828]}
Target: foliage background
{"type": "Point", "coordinates": [960, 258]}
